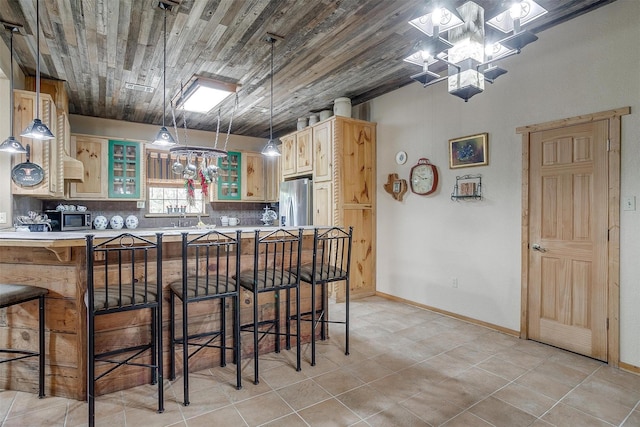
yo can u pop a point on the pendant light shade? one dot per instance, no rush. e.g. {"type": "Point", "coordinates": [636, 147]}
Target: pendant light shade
{"type": "Point", "coordinates": [11, 145]}
{"type": "Point", "coordinates": [164, 138]}
{"type": "Point", "coordinates": [37, 129]}
{"type": "Point", "coordinates": [271, 149]}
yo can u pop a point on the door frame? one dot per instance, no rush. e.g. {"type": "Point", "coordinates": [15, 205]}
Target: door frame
{"type": "Point", "coordinates": [613, 250]}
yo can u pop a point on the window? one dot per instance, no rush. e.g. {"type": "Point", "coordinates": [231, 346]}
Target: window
{"type": "Point", "coordinates": [172, 198]}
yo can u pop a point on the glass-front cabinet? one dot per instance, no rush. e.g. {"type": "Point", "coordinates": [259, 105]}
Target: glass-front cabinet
{"type": "Point", "coordinates": [124, 170]}
{"type": "Point", "coordinates": [229, 176]}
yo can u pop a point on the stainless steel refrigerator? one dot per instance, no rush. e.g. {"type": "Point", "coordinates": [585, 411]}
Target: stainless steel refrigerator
{"type": "Point", "coordinates": [296, 202]}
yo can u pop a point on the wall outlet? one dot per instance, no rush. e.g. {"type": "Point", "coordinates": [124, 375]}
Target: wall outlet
{"type": "Point", "coordinates": [140, 204]}
{"type": "Point", "coordinates": [629, 203]}
{"type": "Point", "coordinates": [3, 217]}
{"type": "Point", "coordinates": [454, 282]}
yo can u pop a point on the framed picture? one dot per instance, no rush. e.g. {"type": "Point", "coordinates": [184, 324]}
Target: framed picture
{"type": "Point", "coordinates": [468, 151]}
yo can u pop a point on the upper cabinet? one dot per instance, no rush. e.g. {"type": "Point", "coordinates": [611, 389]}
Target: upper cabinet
{"type": "Point", "coordinates": [42, 153]}
{"type": "Point", "coordinates": [229, 176]}
{"type": "Point", "coordinates": [322, 151]}
{"type": "Point", "coordinates": [297, 154]}
{"type": "Point", "coordinates": [112, 169]}
{"type": "Point", "coordinates": [253, 176]}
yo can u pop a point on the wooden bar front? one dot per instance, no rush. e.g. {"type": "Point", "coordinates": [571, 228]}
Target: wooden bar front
{"type": "Point", "coordinates": [58, 263]}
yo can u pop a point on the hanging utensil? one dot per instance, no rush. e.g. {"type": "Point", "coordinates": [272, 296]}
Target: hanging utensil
{"type": "Point", "coordinates": [191, 170]}
{"type": "Point", "coordinates": [27, 174]}
{"type": "Point", "coordinates": [177, 167]}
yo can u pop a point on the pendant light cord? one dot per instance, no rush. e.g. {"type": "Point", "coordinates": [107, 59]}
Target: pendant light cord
{"type": "Point", "coordinates": [11, 80]}
{"type": "Point", "coordinates": [37, 58]}
{"type": "Point", "coordinates": [164, 67]}
{"type": "Point", "coordinates": [271, 97]}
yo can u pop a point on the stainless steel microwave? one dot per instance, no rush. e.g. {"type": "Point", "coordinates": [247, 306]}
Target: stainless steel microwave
{"type": "Point", "coordinates": [69, 220]}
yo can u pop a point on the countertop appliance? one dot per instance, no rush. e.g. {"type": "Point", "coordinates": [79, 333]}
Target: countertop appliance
{"type": "Point", "coordinates": [69, 220]}
{"type": "Point", "coordinates": [296, 202]}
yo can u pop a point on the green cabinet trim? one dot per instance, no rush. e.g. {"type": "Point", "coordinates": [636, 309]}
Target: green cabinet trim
{"type": "Point", "coordinates": [124, 170]}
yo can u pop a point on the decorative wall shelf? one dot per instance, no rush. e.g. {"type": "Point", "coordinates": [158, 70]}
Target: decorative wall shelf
{"type": "Point", "coordinates": [468, 187]}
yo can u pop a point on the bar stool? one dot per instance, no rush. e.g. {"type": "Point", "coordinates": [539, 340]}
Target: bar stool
{"type": "Point", "coordinates": [17, 294]}
{"type": "Point", "coordinates": [276, 267]}
{"type": "Point", "coordinates": [331, 263]}
{"type": "Point", "coordinates": [209, 261]}
{"type": "Point", "coordinates": [124, 273]}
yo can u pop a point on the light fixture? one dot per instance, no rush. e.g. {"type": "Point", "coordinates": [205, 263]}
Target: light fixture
{"type": "Point", "coordinates": [11, 144]}
{"type": "Point", "coordinates": [202, 94]}
{"type": "Point", "coordinates": [37, 129]}
{"type": "Point", "coordinates": [271, 149]}
{"type": "Point", "coordinates": [164, 138]}
{"type": "Point", "coordinates": [468, 63]}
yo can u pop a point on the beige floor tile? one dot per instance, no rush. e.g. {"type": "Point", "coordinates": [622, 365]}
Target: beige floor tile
{"type": "Point", "coordinates": [282, 376]}
{"type": "Point", "coordinates": [394, 360]}
{"type": "Point", "coordinates": [398, 386]}
{"type": "Point", "coordinates": [202, 402]}
{"type": "Point", "coordinates": [575, 361]}
{"type": "Point", "coordinates": [482, 380]}
{"type": "Point", "coordinates": [365, 401]}
{"type": "Point", "coordinates": [263, 408]}
{"type": "Point", "coordinates": [563, 415]}
{"type": "Point", "coordinates": [534, 348]}
{"type": "Point", "coordinates": [369, 370]}
{"type": "Point", "coordinates": [467, 419]}
{"type": "Point", "coordinates": [456, 391]}
{"type": "Point", "coordinates": [339, 381]}
{"type": "Point", "coordinates": [468, 354]}
{"type": "Point", "coordinates": [302, 394]}
{"type": "Point", "coordinates": [501, 414]}
{"type": "Point", "coordinates": [432, 408]}
{"type": "Point", "coordinates": [520, 358]}
{"type": "Point", "coordinates": [135, 416]}
{"type": "Point", "coordinates": [108, 413]}
{"type": "Point", "coordinates": [618, 377]}
{"type": "Point", "coordinates": [561, 373]}
{"type": "Point", "coordinates": [447, 365]}
{"type": "Point", "coordinates": [27, 402]}
{"type": "Point", "coordinates": [6, 400]}
{"type": "Point", "coordinates": [227, 416]}
{"type": "Point", "coordinates": [329, 413]}
{"type": "Point", "coordinates": [395, 416]}
{"type": "Point", "coordinates": [544, 384]}
{"type": "Point", "coordinates": [502, 368]}
{"type": "Point", "coordinates": [597, 404]}
{"type": "Point", "coordinates": [291, 420]}
{"type": "Point", "coordinates": [493, 342]}
{"type": "Point", "coordinates": [632, 420]}
{"type": "Point", "coordinates": [53, 416]}
{"type": "Point", "coordinates": [623, 396]}
{"type": "Point", "coordinates": [526, 399]}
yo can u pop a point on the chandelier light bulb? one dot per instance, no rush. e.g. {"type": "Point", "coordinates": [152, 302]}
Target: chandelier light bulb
{"type": "Point", "coordinates": [436, 16]}
{"type": "Point", "coordinates": [516, 10]}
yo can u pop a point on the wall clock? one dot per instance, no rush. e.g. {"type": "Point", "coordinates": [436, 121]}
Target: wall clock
{"type": "Point", "coordinates": [423, 177]}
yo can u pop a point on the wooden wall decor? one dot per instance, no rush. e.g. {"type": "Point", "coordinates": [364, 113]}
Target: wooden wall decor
{"type": "Point", "coordinates": [395, 186]}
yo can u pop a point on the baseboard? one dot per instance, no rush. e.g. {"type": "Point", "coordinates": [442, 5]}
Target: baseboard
{"type": "Point", "coordinates": [630, 368]}
{"type": "Point", "coordinates": [454, 315]}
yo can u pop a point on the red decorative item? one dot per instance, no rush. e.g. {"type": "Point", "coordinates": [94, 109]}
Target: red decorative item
{"type": "Point", "coordinates": [191, 195]}
{"type": "Point", "coordinates": [203, 183]}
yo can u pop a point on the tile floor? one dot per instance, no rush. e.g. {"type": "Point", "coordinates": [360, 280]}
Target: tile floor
{"type": "Point", "coordinates": [408, 367]}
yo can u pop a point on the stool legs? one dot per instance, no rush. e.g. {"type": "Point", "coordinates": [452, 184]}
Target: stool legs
{"type": "Point", "coordinates": [42, 348]}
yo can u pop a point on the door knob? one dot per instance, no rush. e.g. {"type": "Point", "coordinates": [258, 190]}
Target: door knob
{"type": "Point", "coordinates": [537, 247]}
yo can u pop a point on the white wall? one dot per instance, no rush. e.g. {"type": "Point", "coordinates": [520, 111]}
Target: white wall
{"type": "Point", "coordinates": [138, 131]}
{"type": "Point", "coordinates": [587, 65]}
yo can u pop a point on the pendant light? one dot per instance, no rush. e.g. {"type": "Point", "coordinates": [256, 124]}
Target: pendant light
{"type": "Point", "coordinates": [37, 129]}
{"type": "Point", "coordinates": [11, 145]}
{"type": "Point", "coordinates": [271, 149]}
{"type": "Point", "coordinates": [163, 137]}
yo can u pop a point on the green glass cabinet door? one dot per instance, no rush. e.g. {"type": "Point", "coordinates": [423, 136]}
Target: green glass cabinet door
{"type": "Point", "coordinates": [229, 176]}
{"type": "Point", "coordinates": [124, 170]}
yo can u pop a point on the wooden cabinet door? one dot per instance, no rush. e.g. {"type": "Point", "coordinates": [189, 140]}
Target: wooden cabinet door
{"type": "Point", "coordinates": [323, 203]}
{"type": "Point", "coordinates": [273, 176]}
{"type": "Point", "coordinates": [304, 151]}
{"type": "Point", "coordinates": [253, 177]}
{"type": "Point", "coordinates": [93, 153]}
{"type": "Point", "coordinates": [322, 151]}
{"type": "Point", "coordinates": [288, 155]}
{"type": "Point", "coordinates": [356, 149]}
{"type": "Point", "coordinates": [42, 153]}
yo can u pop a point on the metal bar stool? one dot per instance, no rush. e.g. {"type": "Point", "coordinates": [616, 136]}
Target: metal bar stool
{"type": "Point", "coordinates": [124, 273]}
{"type": "Point", "coordinates": [209, 263]}
{"type": "Point", "coordinates": [331, 263]}
{"type": "Point", "coordinates": [276, 265]}
{"type": "Point", "coordinates": [17, 294]}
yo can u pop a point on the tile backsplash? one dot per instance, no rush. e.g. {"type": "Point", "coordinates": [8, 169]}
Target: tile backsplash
{"type": "Point", "coordinates": [249, 213]}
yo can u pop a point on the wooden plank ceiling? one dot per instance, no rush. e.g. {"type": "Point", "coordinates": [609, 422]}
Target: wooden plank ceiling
{"type": "Point", "coordinates": [330, 48]}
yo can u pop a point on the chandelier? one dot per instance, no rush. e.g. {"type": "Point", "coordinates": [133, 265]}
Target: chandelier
{"type": "Point", "coordinates": [468, 56]}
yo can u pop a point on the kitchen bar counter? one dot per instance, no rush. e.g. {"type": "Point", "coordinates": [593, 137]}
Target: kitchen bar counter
{"type": "Point", "coordinates": [57, 261]}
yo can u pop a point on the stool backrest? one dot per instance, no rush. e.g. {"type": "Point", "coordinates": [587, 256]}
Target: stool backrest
{"type": "Point", "coordinates": [210, 261]}
{"type": "Point", "coordinates": [277, 258]}
{"type": "Point", "coordinates": [127, 268]}
{"type": "Point", "coordinates": [332, 253]}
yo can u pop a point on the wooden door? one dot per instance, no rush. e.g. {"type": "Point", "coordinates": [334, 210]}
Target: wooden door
{"type": "Point", "coordinates": [304, 151]}
{"type": "Point", "coordinates": [253, 177]}
{"type": "Point", "coordinates": [288, 155]}
{"type": "Point", "coordinates": [93, 152]}
{"type": "Point", "coordinates": [323, 203]}
{"type": "Point", "coordinates": [568, 227]}
{"type": "Point", "coordinates": [322, 156]}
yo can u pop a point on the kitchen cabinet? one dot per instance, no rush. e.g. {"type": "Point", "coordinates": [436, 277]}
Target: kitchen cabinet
{"type": "Point", "coordinates": [43, 153]}
{"type": "Point", "coordinates": [124, 170]}
{"type": "Point", "coordinates": [93, 152]}
{"type": "Point", "coordinates": [273, 178]}
{"type": "Point", "coordinates": [297, 154]}
{"type": "Point", "coordinates": [229, 176]}
{"type": "Point", "coordinates": [343, 171]}
{"type": "Point", "coordinates": [253, 177]}
{"type": "Point", "coordinates": [322, 138]}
